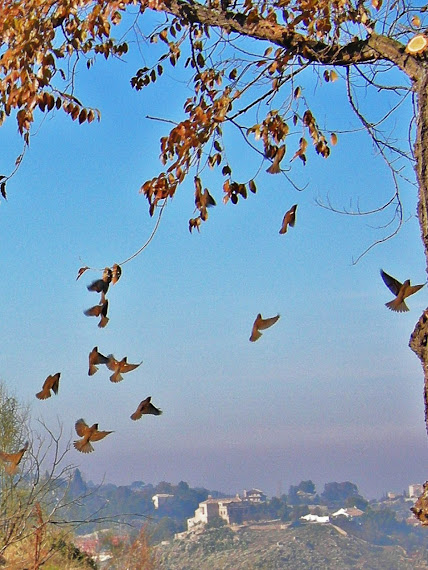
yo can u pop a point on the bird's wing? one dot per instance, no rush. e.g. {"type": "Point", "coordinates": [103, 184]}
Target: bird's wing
{"type": "Point", "coordinates": [128, 367]}
{"type": "Point", "coordinates": [97, 435]}
{"type": "Point", "coordinates": [111, 363]}
{"type": "Point", "coordinates": [153, 410]}
{"type": "Point", "coordinates": [137, 414]}
{"type": "Point", "coordinates": [99, 286]}
{"type": "Point", "coordinates": [18, 456]}
{"type": "Point", "coordinates": [292, 215]}
{"type": "Point", "coordinates": [5, 456]}
{"type": "Point", "coordinates": [94, 311]}
{"type": "Point", "coordinates": [412, 289]}
{"type": "Point", "coordinates": [255, 334]}
{"type": "Point", "coordinates": [101, 359]}
{"type": "Point", "coordinates": [393, 285]}
{"type": "Point", "coordinates": [81, 427]}
{"type": "Point", "coordinates": [47, 384]}
{"type": "Point", "coordinates": [266, 323]}
{"type": "Point", "coordinates": [55, 382]}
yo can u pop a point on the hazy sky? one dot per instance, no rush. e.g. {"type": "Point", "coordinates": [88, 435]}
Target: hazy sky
{"type": "Point", "coordinates": [331, 393]}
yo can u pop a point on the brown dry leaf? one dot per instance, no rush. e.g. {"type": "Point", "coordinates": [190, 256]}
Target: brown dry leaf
{"type": "Point", "coordinates": [252, 186]}
{"type": "Point", "coordinates": [416, 21]}
{"type": "Point", "coordinates": [81, 271]}
{"type": "Point", "coordinates": [333, 139]}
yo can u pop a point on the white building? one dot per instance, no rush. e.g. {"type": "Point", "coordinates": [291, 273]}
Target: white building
{"type": "Point", "coordinates": [315, 518]}
{"type": "Point", "coordinates": [230, 510]}
{"type": "Point", "coordinates": [349, 513]}
{"type": "Point", "coordinates": [160, 499]}
{"type": "Point", "coordinates": [254, 496]}
{"type": "Point", "coordinates": [415, 490]}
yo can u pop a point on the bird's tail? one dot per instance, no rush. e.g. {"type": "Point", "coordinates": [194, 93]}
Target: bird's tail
{"type": "Point", "coordinates": [43, 394]}
{"type": "Point", "coordinates": [136, 416]}
{"type": "Point", "coordinates": [116, 377]}
{"type": "Point", "coordinates": [83, 446]}
{"type": "Point", "coordinates": [103, 322]}
{"type": "Point", "coordinates": [255, 335]}
{"type": "Point", "coordinates": [92, 369]}
{"type": "Point", "coordinates": [397, 305]}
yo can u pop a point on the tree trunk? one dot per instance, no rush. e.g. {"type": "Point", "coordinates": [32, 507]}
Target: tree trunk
{"type": "Point", "coordinates": [419, 338]}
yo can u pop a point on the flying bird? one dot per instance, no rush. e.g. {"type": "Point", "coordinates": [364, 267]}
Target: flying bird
{"type": "Point", "coordinates": [12, 460]}
{"type": "Point", "coordinates": [99, 311]}
{"type": "Point", "coordinates": [116, 273]}
{"type": "Point", "coordinates": [119, 367]}
{"type": "Point", "coordinates": [274, 168]}
{"type": "Point", "coordinates": [400, 290]}
{"type": "Point", "coordinates": [101, 285]}
{"type": "Point", "coordinates": [87, 434]}
{"type": "Point", "coordinates": [95, 358]}
{"type": "Point", "coordinates": [289, 219]}
{"type": "Point", "coordinates": [145, 407]}
{"type": "Point", "coordinates": [51, 383]}
{"type": "Point", "coordinates": [261, 324]}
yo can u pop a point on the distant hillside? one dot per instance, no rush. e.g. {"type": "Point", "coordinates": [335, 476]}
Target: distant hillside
{"type": "Point", "coordinates": [268, 547]}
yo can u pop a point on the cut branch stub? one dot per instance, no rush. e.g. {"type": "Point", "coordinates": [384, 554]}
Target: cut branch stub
{"type": "Point", "coordinates": [417, 44]}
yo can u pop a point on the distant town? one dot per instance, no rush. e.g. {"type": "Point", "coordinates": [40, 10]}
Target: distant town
{"type": "Point", "coordinates": [171, 514]}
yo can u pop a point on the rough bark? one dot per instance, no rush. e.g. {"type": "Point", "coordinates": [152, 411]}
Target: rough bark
{"type": "Point", "coordinates": [419, 338]}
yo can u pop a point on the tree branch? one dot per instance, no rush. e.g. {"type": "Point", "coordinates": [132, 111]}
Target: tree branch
{"type": "Point", "coordinates": [375, 47]}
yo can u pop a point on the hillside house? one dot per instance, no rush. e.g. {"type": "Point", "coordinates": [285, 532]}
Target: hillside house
{"type": "Point", "coordinates": [254, 496]}
{"type": "Point", "coordinates": [160, 499]}
{"type": "Point", "coordinates": [232, 511]}
{"type": "Point", "coordinates": [315, 519]}
{"type": "Point", "coordinates": [349, 513]}
{"type": "Point", "coordinates": [415, 490]}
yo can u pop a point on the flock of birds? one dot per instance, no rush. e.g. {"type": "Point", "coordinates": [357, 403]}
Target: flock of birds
{"type": "Point", "coordinates": [90, 434]}
{"type": "Point", "coordinates": [86, 433]}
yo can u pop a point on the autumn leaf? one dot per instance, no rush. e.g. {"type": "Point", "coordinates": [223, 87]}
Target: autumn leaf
{"type": "Point", "coordinates": [81, 271]}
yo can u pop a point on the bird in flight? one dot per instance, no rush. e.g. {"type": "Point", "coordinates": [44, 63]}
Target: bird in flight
{"type": "Point", "coordinates": [101, 285]}
{"type": "Point", "coordinates": [289, 219]}
{"type": "Point", "coordinates": [95, 358]}
{"type": "Point", "coordinates": [99, 311]}
{"type": "Point", "coordinates": [51, 383]}
{"type": "Point", "coordinates": [12, 460]}
{"type": "Point", "coordinates": [87, 434]}
{"type": "Point", "coordinates": [400, 290]}
{"type": "Point", "coordinates": [275, 168]}
{"type": "Point", "coordinates": [119, 367]}
{"type": "Point", "coordinates": [145, 407]}
{"type": "Point", "coordinates": [261, 324]}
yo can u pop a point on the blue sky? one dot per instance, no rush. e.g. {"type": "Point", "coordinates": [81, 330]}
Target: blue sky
{"type": "Point", "coordinates": [330, 393]}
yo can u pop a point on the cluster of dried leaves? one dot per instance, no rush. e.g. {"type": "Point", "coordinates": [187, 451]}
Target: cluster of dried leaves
{"type": "Point", "coordinates": [43, 42]}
